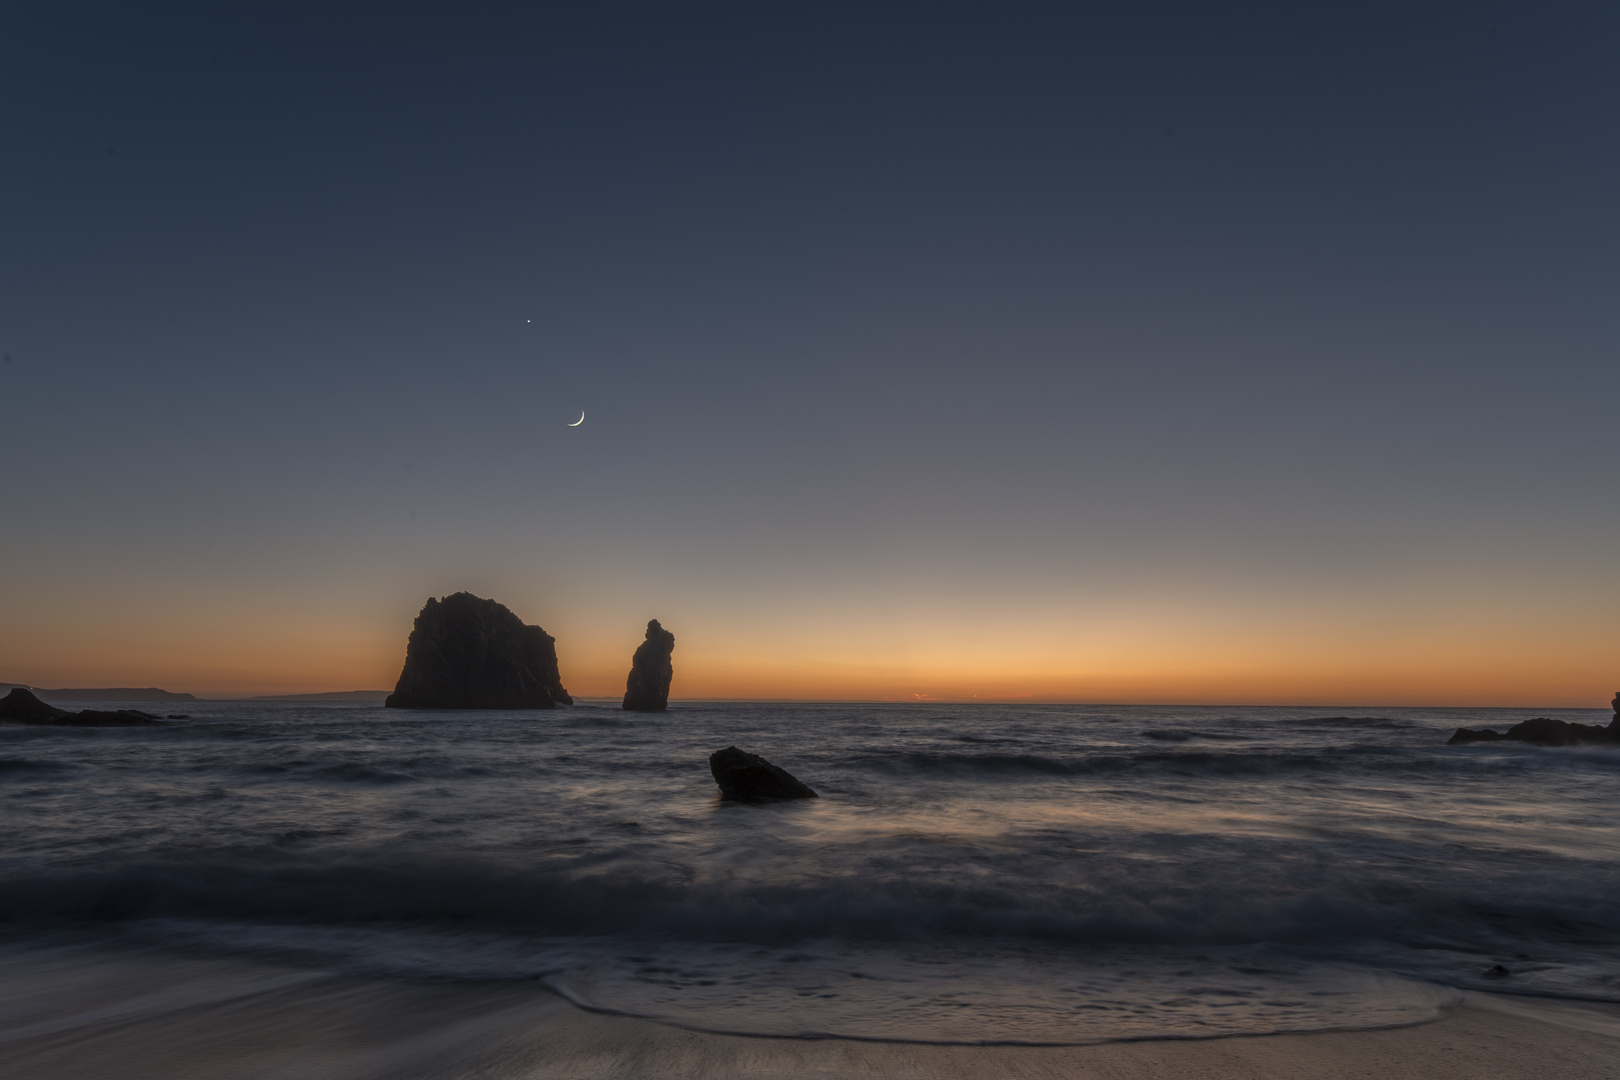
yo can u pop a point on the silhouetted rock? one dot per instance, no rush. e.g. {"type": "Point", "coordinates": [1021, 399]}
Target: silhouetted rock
{"type": "Point", "coordinates": [647, 689]}
{"type": "Point", "coordinates": [22, 707]}
{"type": "Point", "coordinates": [1495, 971]}
{"type": "Point", "coordinates": [469, 653]}
{"type": "Point", "coordinates": [750, 778]}
{"type": "Point", "coordinates": [1541, 731]}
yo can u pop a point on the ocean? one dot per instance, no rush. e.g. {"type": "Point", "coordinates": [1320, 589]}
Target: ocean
{"type": "Point", "coordinates": [995, 873]}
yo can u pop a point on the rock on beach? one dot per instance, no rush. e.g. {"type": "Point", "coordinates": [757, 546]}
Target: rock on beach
{"type": "Point", "coordinates": [748, 777]}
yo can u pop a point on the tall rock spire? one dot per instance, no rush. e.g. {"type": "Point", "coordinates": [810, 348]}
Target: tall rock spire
{"type": "Point", "coordinates": [651, 671]}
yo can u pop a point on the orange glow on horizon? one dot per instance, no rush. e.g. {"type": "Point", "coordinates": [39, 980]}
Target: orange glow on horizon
{"type": "Point", "coordinates": [1152, 657]}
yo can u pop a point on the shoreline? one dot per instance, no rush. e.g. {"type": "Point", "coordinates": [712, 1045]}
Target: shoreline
{"type": "Point", "coordinates": [76, 1012]}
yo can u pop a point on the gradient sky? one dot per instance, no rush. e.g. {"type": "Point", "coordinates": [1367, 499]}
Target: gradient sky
{"type": "Point", "coordinates": [1105, 352]}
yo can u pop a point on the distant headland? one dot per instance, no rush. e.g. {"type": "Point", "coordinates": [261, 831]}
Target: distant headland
{"type": "Point", "coordinates": [100, 693]}
{"type": "Point", "coordinates": [330, 695]}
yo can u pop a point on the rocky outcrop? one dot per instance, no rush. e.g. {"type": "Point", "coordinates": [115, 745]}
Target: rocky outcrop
{"type": "Point", "coordinates": [22, 707]}
{"type": "Point", "coordinates": [748, 777]}
{"type": "Point", "coordinates": [647, 689]}
{"type": "Point", "coordinates": [466, 652]}
{"type": "Point", "coordinates": [1543, 731]}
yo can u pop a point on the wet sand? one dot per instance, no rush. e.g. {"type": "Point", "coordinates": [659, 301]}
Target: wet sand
{"type": "Point", "coordinates": [72, 1013]}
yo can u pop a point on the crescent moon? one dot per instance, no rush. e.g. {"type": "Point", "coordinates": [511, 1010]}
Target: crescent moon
{"type": "Point", "coordinates": [578, 422]}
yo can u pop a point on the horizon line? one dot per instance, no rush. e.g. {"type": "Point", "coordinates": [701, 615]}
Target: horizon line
{"type": "Point", "coordinates": [594, 698]}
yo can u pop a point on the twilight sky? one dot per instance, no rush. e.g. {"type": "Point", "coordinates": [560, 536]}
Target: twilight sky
{"type": "Point", "coordinates": [1105, 352]}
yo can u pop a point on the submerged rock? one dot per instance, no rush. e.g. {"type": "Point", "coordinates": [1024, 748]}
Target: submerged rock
{"type": "Point", "coordinates": [115, 718]}
{"type": "Point", "coordinates": [651, 672]}
{"type": "Point", "coordinates": [1541, 731]}
{"type": "Point", "coordinates": [748, 777]}
{"type": "Point", "coordinates": [466, 652]}
{"type": "Point", "coordinates": [22, 707]}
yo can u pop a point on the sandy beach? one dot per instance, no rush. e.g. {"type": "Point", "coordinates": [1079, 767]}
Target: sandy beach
{"type": "Point", "coordinates": [78, 1013]}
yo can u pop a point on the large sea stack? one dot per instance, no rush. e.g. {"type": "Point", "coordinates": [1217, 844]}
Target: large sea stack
{"type": "Point", "coordinates": [466, 652]}
{"type": "Point", "coordinates": [651, 671]}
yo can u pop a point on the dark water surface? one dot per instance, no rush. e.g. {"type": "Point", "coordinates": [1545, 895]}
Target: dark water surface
{"type": "Point", "coordinates": [971, 872]}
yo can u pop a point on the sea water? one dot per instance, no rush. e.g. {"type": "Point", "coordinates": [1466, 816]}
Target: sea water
{"type": "Point", "coordinates": [970, 873]}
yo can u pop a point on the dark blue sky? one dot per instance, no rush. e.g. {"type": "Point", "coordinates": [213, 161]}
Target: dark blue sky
{"type": "Point", "coordinates": [1085, 342]}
